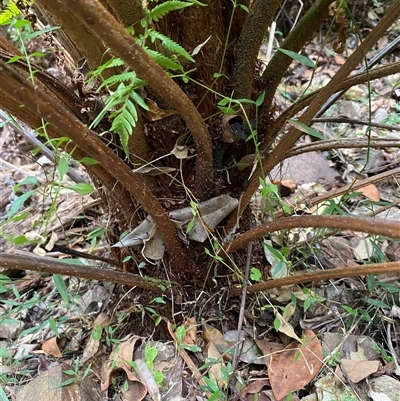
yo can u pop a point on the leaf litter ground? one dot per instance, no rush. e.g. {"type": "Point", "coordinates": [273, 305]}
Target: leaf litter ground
{"type": "Point", "coordinates": [101, 341]}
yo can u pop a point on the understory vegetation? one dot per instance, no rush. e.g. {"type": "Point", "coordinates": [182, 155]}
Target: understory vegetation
{"type": "Point", "coordinates": [199, 163]}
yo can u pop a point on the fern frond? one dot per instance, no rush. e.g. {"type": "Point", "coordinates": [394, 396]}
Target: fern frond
{"type": "Point", "coordinates": [114, 79]}
{"type": "Point", "coordinates": [124, 129]}
{"type": "Point", "coordinates": [113, 62]}
{"type": "Point", "coordinates": [169, 44]}
{"type": "Point", "coordinates": [164, 8]}
{"type": "Point", "coordinates": [123, 102]}
{"type": "Point", "coordinates": [163, 61]}
{"type": "Point", "coordinates": [9, 13]}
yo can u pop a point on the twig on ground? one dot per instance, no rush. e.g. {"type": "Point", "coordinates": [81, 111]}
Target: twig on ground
{"type": "Point", "coordinates": [30, 261]}
{"type": "Point", "coordinates": [391, 349]}
{"type": "Point", "coordinates": [239, 339]}
{"type": "Point", "coordinates": [345, 120]}
{"type": "Point", "coordinates": [322, 275]}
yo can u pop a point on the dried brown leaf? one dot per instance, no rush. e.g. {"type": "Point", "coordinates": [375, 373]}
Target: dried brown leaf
{"type": "Point", "coordinates": [295, 367]}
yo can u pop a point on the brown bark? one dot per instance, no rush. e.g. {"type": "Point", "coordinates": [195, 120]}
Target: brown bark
{"type": "Point", "coordinates": [369, 225]}
{"type": "Point", "coordinates": [78, 36]}
{"type": "Point", "coordinates": [17, 88]}
{"type": "Point", "coordinates": [48, 265]}
{"type": "Point", "coordinates": [260, 17]}
{"type": "Point", "coordinates": [322, 275]}
{"type": "Point", "coordinates": [293, 134]}
{"type": "Point", "coordinates": [124, 46]}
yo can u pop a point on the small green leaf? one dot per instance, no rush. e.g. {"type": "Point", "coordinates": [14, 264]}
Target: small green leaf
{"type": "Point", "coordinates": [18, 203]}
{"type": "Point", "coordinates": [180, 333]}
{"type": "Point", "coordinates": [20, 23]}
{"type": "Point", "coordinates": [82, 188]}
{"type": "Point", "coordinates": [306, 129]}
{"type": "Point", "coordinates": [14, 59]}
{"type": "Point", "coordinates": [3, 396]}
{"type": "Point", "coordinates": [37, 54]}
{"type": "Point", "coordinates": [277, 323]}
{"type": "Point", "coordinates": [68, 381]}
{"type": "Point", "coordinates": [376, 302]}
{"type": "Point", "coordinates": [88, 160]}
{"type": "Point", "coordinates": [260, 99]}
{"type": "Point", "coordinates": [371, 282]}
{"type": "Point", "coordinates": [158, 376]}
{"type": "Point", "coordinates": [211, 384]}
{"type": "Point", "coordinates": [158, 300]}
{"type": "Point", "coordinates": [63, 167]}
{"type": "Point", "coordinates": [61, 287]}
{"type": "Point", "coordinates": [190, 347]}
{"type": "Point", "coordinates": [298, 57]}
{"type": "Point", "coordinates": [190, 226]}
{"type": "Point", "coordinates": [96, 333]}
{"type": "Point", "coordinates": [42, 32]}
{"type": "Point", "coordinates": [71, 261]}
{"type": "Point", "coordinates": [31, 180]}
{"type": "Point", "coordinates": [97, 232]}
{"type": "Point", "coordinates": [139, 100]}
{"type": "Point", "coordinates": [255, 274]}
{"type": "Point", "coordinates": [19, 240]}
{"type": "Point", "coordinates": [53, 326]}
{"type": "Point", "coordinates": [307, 303]}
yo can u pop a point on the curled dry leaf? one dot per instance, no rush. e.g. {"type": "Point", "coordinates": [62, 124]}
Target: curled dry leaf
{"type": "Point", "coordinates": [214, 357]}
{"type": "Point", "coordinates": [50, 347]}
{"type": "Point", "coordinates": [121, 358]}
{"type": "Point", "coordinates": [246, 161]}
{"type": "Point", "coordinates": [227, 120]}
{"type": "Point", "coordinates": [154, 247]}
{"type": "Point", "coordinates": [191, 330]}
{"type": "Point", "coordinates": [153, 171]}
{"type": "Point", "coordinates": [155, 113]}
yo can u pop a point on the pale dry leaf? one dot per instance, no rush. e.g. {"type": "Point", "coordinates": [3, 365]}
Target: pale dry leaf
{"type": "Point", "coordinates": [211, 334]}
{"type": "Point", "coordinates": [147, 378]}
{"type": "Point", "coordinates": [357, 370]}
{"type": "Point", "coordinates": [214, 356]}
{"type": "Point", "coordinates": [364, 250]}
{"type": "Point", "coordinates": [50, 347]}
{"type": "Point", "coordinates": [198, 47]}
{"type": "Point", "coordinates": [254, 387]}
{"type": "Point", "coordinates": [154, 246]}
{"type": "Point", "coordinates": [191, 330]}
{"type": "Point", "coordinates": [92, 345]}
{"type": "Point", "coordinates": [246, 161]}
{"type": "Point", "coordinates": [371, 192]}
{"type": "Point", "coordinates": [286, 328]}
{"type": "Point", "coordinates": [153, 171]}
{"type": "Point", "coordinates": [53, 239]}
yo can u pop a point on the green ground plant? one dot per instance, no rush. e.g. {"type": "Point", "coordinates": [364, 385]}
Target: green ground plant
{"type": "Point", "coordinates": [171, 108]}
